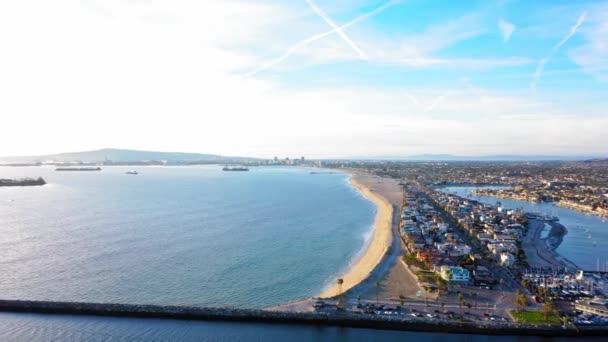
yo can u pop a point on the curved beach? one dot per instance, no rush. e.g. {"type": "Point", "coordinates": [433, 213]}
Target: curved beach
{"type": "Point", "coordinates": [377, 248]}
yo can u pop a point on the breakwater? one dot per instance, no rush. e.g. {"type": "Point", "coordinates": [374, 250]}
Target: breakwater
{"type": "Point", "coordinates": [308, 318]}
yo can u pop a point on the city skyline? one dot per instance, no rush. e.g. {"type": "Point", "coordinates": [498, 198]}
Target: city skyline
{"type": "Point", "coordinates": [326, 79]}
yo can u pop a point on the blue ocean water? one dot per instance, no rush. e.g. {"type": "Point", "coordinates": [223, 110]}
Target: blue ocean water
{"type": "Point", "coordinates": [179, 235]}
{"type": "Point", "coordinates": [587, 239]}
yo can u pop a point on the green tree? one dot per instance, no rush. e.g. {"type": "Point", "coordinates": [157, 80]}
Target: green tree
{"type": "Point", "coordinates": [521, 300]}
{"type": "Point", "coordinates": [525, 283]}
{"type": "Point", "coordinates": [548, 308]}
{"type": "Point", "coordinates": [460, 301]}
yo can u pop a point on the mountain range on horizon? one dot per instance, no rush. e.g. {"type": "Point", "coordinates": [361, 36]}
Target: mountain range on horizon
{"type": "Point", "coordinates": [122, 155]}
{"type": "Point", "coordinates": [494, 157]}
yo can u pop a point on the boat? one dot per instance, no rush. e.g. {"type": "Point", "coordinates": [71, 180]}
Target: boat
{"type": "Point", "coordinates": [78, 169]}
{"type": "Point", "coordinates": [132, 172]}
{"type": "Point", "coordinates": [235, 168]}
{"type": "Point", "coordinates": [22, 182]}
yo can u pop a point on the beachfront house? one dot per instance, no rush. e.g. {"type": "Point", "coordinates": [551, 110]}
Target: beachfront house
{"type": "Point", "coordinates": [455, 274]}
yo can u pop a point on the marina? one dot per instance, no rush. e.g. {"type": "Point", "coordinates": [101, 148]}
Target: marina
{"type": "Point", "coordinates": [585, 232]}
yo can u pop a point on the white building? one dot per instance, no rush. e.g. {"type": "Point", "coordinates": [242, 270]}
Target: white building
{"type": "Point", "coordinates": [507, 259]}
{"type": "Point", "coordinates": [452, 273]}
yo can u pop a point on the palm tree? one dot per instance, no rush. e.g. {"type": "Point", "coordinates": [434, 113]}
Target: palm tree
{"type": "Point", "coordinates": [377, 286]}
{"type": "Point", "coordinates": [340, 281]}
{"type": "Point", "coordinates": [460, 301]}
{"type": "Point", "coordinates": [358, 299]}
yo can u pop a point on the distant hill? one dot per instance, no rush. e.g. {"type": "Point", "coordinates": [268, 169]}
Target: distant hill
{"type": "Point", "coordinates": [500, 157]}
{"type": "Point", "coordinates": [121, 156]}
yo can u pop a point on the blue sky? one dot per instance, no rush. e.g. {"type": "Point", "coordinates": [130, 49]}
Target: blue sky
{"type": "Point", "coordinates": [322, 78]}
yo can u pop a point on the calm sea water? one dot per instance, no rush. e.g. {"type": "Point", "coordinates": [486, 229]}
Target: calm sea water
{"type": "Point", "coordinates": [587, 240]}
{"type": "Point", "coordinates": [179, 235]}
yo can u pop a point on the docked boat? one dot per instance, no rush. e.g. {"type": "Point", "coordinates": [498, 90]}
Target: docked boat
{"type": "Point", "coordinates": [235, 168]}
{"type": "Point", "coordinates": [132, 172]}
{"type": "Point", "coordinates": [22, 182]}
{"type": "Point", "coordinates": [78, 169]}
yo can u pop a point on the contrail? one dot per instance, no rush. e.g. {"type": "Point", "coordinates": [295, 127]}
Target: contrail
{"type": "Point", "coordinates": [413, 100]}
{"type": "Point", "coordinates": [337, 29]}
{"type": "Point", "coordinates": [573, 29]}
{"type": "Point", "coordinates": [541, 64]}
{"type": "Point", "coordinates": [316, 37]}
{"type": "Point", "coordinates": [438, 100]}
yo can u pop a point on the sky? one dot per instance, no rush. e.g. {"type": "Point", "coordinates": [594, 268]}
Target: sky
{"type": "Point", "coordinates": [319, 78]}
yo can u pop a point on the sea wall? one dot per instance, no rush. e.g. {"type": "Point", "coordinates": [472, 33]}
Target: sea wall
{"type": "Point", "coordinates": [245, 315]}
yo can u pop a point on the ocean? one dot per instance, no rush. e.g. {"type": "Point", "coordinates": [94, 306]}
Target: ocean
{"type": "Point", "coordinates": [587, 238]}
{"type": "Point", "coordinates": [192, 235]}
{"type": "Point", "coordinates": [182, 236]}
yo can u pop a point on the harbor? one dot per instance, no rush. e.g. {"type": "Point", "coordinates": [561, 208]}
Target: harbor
{"type": "Point", "coordinates": [585, 232]}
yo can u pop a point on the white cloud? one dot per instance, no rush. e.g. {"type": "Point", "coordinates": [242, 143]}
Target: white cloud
{"type": "Point", "coordinates": [506, 28]}
{"type": "Point", "coordinates": [166, 75]}
{"type": "Point", "coordinates": [593, 55]}
{"type": "Point", "coordinates": [416, 51]}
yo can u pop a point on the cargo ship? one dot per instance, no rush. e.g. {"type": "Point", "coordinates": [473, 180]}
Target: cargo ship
{"type": "Point", "coordinates": [235, 168]}
{"type": "Point", "coordinates": [78, 169]}
{"type": "Point", "coordinates": [22, 182]}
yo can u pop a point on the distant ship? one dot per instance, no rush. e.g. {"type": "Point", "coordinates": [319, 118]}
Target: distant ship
{"type": "Point", "coordinates": [22, 182]}
{"type": "Point", "coordinates": [235, 168]}
{"type": "Point", "coordinates": [132, 172]}
{"type": "Point", "coordinates": [78, 169]}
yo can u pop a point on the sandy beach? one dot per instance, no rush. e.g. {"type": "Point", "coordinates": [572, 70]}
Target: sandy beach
{"type": "Point", "coordinates": [379, 263]}
{"type": "Point", "coordinates": [381, 241]}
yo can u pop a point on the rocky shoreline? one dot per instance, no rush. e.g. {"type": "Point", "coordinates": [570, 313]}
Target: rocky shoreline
{"type": "Point", "coordinates": [341, 319]}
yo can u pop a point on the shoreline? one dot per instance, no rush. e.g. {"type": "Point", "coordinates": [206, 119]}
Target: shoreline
{"type": "Point", "coordinates": [541, 252]}
{"type": "Point", "coordinates": [376, 249]}
{"type": "Point", "coordinates": [563, 204]}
